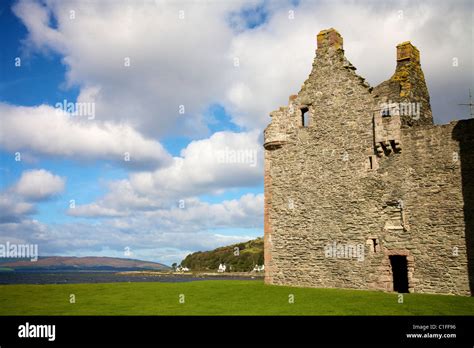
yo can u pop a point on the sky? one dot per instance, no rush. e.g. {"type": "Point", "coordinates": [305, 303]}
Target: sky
{"type": "Point", "coordinates": [134, 128]}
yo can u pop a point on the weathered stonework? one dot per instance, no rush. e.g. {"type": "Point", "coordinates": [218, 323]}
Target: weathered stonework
{"type": "Point", "coordinates": [363, 174]}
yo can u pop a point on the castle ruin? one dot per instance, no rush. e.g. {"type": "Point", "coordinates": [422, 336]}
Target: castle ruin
{"type": "Point", "coordinates": [362, 190]}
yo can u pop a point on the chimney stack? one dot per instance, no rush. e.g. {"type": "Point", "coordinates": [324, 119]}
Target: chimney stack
{"type": "Point", "coordinates": [329, 38]}
{"type": "Point", "coordinates": [406, 51]}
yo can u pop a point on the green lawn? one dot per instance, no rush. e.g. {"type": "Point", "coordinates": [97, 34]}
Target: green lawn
{"type": "Point", "coordinates": [218, 297]}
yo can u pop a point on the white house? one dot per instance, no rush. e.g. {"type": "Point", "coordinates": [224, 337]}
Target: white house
{"type": "Point", "coordinates": [182, 269]}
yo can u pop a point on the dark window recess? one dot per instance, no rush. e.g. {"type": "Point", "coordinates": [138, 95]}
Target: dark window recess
{"type": "Point", "coordinates": [305, 117]}
{"type": "Point", "coordinates": [386, 112]}
{"type": "Point", "coordinates": [400, 273]}
{"type": "Point", "coordinates": [374, 244]}
{"type": "Point", "coordinates": [371, 162]}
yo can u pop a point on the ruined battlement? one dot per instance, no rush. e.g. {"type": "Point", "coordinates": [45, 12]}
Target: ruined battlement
{"type": "Point", "coordinates": [365, 169]}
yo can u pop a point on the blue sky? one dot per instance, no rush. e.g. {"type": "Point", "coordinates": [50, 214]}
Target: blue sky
{"type": "Point", "coordinates": [41, 77]}
{"type": "Point", "coordinates": [177, 86]}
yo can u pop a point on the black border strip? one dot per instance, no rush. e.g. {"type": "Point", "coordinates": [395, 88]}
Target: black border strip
{"type": "Point", "coordinates": [139, 330]}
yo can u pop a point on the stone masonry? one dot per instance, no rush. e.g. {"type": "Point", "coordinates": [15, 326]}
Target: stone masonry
{"type": "Point", "coordinates": [362, 190]}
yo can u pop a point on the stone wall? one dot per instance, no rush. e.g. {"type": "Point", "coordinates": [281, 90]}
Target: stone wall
{"type": "Point", "coordinates": [336, 208]}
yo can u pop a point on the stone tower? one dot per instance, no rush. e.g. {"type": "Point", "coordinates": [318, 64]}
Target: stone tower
{"type": "Point", "coordinates": [362, 190]}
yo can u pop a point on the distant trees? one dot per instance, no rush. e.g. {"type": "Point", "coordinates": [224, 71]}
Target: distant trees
{"type": "Point", "coordinates": [249, 254]}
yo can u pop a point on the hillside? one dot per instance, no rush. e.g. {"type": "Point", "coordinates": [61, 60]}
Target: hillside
{"type": "Point", "coordinates": [83, 263]}
{"type": "Point", "coordinates": [250, 254]}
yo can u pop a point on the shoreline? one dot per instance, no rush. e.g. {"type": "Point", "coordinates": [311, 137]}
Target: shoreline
{"type": "Point", "coordinates": [193, 274]}
{"type": "Point", "coordinates": [10, 278]}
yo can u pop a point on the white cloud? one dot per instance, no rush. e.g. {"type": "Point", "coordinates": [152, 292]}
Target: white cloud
{"type": "Point", "coordinates": [23, 231]}
{"type": "Point", "coordinates": [121, 200]}
{"type": "Point", "coordinates": [170, 59]}
{"type": "Point", "coordinates": [44, 130]}
{"type": "Point", "coordinates": [16, 201]}
{"type": "Point", "coordinates": [39, 184]}
{"type": "Point", "coordinates": [245, 212]}
{"type": "Point", "coordinates": [94, 210]}
{"type": "Point", "coordinates": [37, 19]}
{"type": "Point", "coordinates": [225, 160]}
{"type": "Point", "coordinates": [12, 210]}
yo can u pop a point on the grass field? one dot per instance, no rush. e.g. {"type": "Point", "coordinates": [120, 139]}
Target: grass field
{"type": "Point", "coordinates": [218, 297]}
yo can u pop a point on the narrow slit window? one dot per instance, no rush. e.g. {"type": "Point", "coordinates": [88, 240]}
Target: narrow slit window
{"type": "Point", "coordinates": [372, 163]}
{"type": "Point", "coordinates": [375, 243]}
{"type": "Point", "coordinates": [305, 117]}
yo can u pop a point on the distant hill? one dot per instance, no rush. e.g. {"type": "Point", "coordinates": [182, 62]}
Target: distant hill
{"type": "Point", "coordinates": [65, 263]}
{"type": "Point", "coordinates": [250, 254]}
